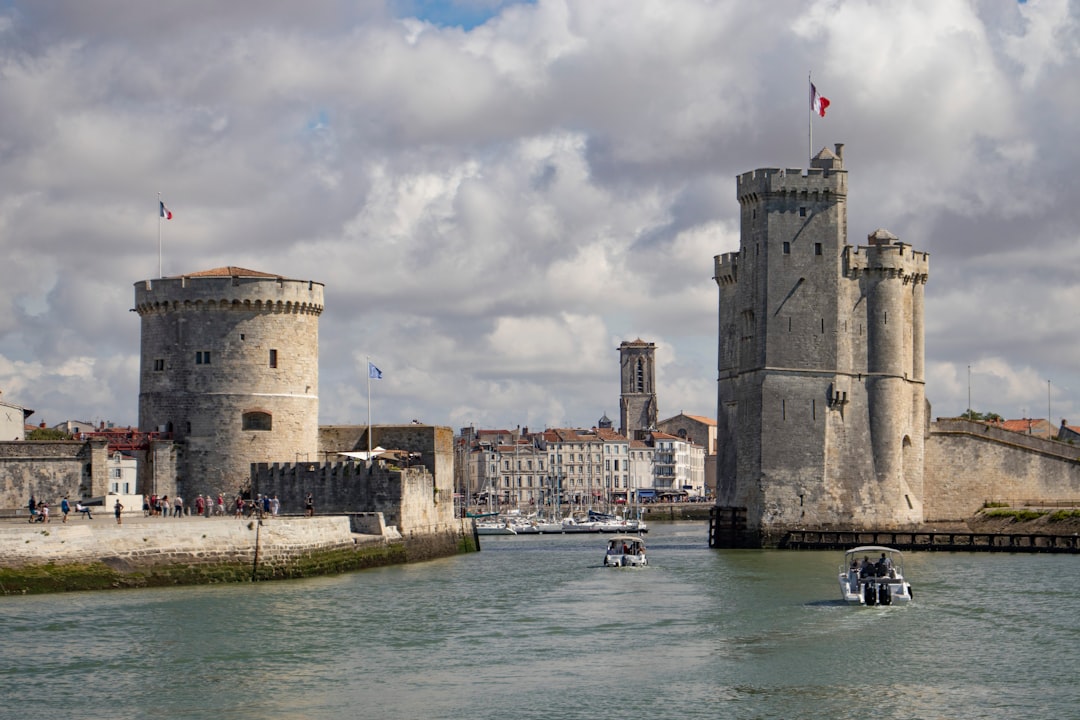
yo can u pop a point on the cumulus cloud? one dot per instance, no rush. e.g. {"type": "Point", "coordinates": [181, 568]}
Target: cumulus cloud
{"type": "Point", "coordinates": [496, 193]}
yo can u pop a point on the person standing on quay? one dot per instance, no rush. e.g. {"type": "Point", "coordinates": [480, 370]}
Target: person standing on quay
{"type": "Point", "coordinates": [309, 506]}
{"type": "Point", "coordinates": [65, 508]}
{"type": "Point", "coordinates": [117, 508]}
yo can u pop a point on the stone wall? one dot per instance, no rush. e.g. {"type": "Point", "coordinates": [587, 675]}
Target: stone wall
{"type": "Point", "coordinates": [970, 463]}
{"type": "Point", "coordinates": [99, 554]}
{"type": "Point", "coordinates": [407, 498]}
{"type": "Point", "coordinates": [434, 443]}
{"type": "Point", "coordinates": [51, 469]}
{"type": "Point", "coordinates": [168, 541]}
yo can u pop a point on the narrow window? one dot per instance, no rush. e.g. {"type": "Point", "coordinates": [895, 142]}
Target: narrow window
{"type": "Point", "coordinates": [273, 358]}
{"type": "Point", "coordinates": [783, 409]}
{"type": "Point", "coordinates": [817, 248]}
{"type": "Point", "coordinates": [822, 326]}
{"type": "Point", "coordinates": [813, 409]}
{"type": "Point", "coordinates": [789, 324]}
{"type": "Point", "coordinates": [159, 365]}
{"type": "Point", "coordinates": [202, 357]}
{"type": "Point", "coordinates": [802, 212]}
{"type": "Point", "coordinates": [241, 336]}
{"type": "Point", "coordinates": [787, 248]}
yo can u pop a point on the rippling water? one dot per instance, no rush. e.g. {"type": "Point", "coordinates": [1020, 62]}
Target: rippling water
{"type": "Point", "coordinates": [534, 627]}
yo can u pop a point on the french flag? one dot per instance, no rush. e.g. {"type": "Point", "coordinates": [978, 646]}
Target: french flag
{"type": "Point", "coordinates": [818, 103]}
{"type": "Point", "coordinates": [167, 213]}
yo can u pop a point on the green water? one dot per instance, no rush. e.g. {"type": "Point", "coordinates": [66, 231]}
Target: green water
{"type": "Point", "coordinates": [534, 627]}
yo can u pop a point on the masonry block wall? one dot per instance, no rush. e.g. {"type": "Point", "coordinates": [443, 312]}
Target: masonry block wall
{"type": "Point", "coordinates": [969, 464]}
{"type": "Point", "coordinates": [434, 445]}
{"type": "Point", "coordinates": [408, 498]}
{"type": "Point", "coordinates": [51, 469]}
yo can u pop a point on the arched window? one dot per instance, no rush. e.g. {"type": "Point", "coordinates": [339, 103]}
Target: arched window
{"type": "Point", "coordinates": [257, 420]}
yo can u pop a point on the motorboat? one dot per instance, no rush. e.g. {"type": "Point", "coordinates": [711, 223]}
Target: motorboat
{"type": "Point", "coordinates": [625, 551]}
{"type": "Point", "coordinates": [874, 575]}
{"type": "Point", "coordinates": [495, 526]}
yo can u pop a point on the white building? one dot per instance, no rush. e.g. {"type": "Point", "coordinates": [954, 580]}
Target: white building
{"type": "Point", "coordinates": [123, 471]}
{"type": "Point", "coordinates": [13, 421]}
{"type": "Point", "coordinates": [678, 466]}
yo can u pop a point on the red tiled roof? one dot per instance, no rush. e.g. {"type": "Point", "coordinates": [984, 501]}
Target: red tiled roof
{"type": "Point", "coordinates": [1022, 425]}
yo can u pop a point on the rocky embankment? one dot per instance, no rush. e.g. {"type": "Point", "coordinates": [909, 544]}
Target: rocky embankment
{"type": "Point", "coordinates": [1025, 521]}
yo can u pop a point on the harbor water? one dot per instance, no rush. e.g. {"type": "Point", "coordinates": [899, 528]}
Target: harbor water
{"type": "Point", "coordinates": [535, 627]}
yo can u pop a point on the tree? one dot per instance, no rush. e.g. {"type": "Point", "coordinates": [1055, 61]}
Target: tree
{"type": "Point", "coordinates": [47, 434]}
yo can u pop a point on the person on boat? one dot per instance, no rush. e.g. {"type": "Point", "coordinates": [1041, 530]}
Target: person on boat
{"type": "Point", "coordinates": [865, 569]}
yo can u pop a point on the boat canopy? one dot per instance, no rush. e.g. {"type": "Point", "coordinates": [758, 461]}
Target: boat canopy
{"type": "Point", "coordinates": [625, 538]}
{"type": "Point", "coordinates": [867, 549]}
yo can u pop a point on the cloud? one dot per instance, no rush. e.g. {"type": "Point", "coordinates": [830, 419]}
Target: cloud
{"type": "Point", "coordinates": [496, 194]}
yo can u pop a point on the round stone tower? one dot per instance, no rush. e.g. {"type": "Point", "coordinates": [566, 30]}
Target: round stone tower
{"type": "Point", "coordinates": [230, 367]}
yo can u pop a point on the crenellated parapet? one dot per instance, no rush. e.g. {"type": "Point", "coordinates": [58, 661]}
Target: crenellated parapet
{"type": "Point", "coordinates": [887, 257]}
{"type": "Point", "coordinates": [229, 290]}
{"type": "Point", "coordinates": [726, 269]}
{"type": "Point", "coordinates": [776, 182]}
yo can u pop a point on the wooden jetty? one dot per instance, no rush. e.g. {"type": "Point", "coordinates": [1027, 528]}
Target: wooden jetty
{"type": "Point", "coordinates": [941, 541]}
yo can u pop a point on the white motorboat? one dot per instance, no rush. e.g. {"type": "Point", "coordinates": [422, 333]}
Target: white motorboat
{"type": "Point", "coordinates": [625, 551]}
{"type": "Point", "coordinates": [874, 575]}
{"type": "Point", "coordinates": [495, 526]}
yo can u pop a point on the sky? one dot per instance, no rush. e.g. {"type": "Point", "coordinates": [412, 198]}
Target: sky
{"type": "Point", "coordinates": [496, 194]}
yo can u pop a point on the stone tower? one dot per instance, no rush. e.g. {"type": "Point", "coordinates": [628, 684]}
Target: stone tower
{"type": "Point", "coordinates": [230, 366]}
{"type": "Point", "coordinates": [637, 402]}
{"type": "Point", "coordinates": [821, 408]}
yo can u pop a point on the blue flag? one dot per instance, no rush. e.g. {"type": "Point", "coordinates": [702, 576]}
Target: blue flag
{"type": "Point", "coordinates": [374, 372]}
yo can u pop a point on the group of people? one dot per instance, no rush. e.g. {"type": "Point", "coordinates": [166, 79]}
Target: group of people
{"type": "Point", "coordinates": [207, 505]}
{"type": "Point", "coordinates": [261, 505]}
{"type": "Point", "coordinates": [162, 506]}
{"type": "Point", "coordinates": [39, 510]}
{"type": "Point", "coordinates": [882, 567]}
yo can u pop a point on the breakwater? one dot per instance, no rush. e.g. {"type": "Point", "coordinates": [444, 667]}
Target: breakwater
{"type": "Point", "coordinates": [95, 554]}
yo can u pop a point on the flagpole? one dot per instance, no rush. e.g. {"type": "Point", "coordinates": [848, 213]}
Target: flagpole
{"type": "Point", "coordinates": [159, 236]}
{"type": "Point", "coordinates": [369, 409]}
{"type": "Point", "coordinates": [810, 119]}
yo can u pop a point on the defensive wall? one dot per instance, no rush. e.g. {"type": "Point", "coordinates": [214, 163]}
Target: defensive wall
{"type": "Point", "coordinates": [972, 463]}
{"type": "Point", "coordinates": [99, 553]}
{"type": "Point", "coordinates": [433, 445]}
{"type": "Point", "coordinates": [406, 497]}
{"type": "Point", "coordinates": [51, 469]}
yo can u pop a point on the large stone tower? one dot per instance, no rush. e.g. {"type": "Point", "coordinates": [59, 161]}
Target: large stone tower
{"type": "Point", "coordinates": [230, 366]}
{"type": "Point", "coordinates": [821, 406]}
{"type": "Point", "coordinates": [637, 401]}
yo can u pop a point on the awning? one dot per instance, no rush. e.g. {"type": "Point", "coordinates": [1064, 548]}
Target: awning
{"type": "Point", "coordinates": [646, 493]}
{"type": "Point", "coordinates": [363, 455]}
